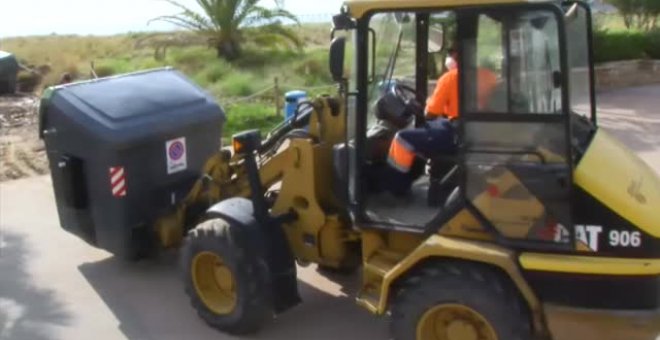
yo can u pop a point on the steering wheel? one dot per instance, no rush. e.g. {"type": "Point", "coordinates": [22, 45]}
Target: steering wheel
{"type": "Point", "coordinates": [405, 92]}
{"type": "Point", "coordinates": [408, 95]}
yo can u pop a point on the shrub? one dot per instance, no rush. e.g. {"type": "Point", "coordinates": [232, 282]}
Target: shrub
{"type": "Point", "coordinates": [653, 44]}
{"type": "Point", "coordinates": [613, 46]}
{"type": "Point", "coordinates": [192, 59]}
{"type": "Point", "coordinates": [110, 67]}
{"type": "Point", "coordinates": [73, 71]}
{"type": "Point", "coordinates": [28, 82]}
{"type": "Point", "coordinates": [258, 57]}
{"type": "Point", "coordinates": [104, 71]}
{"type": "Point", "coordinates": [626, 45]}
{"type": "Point", "coordinates": [314, 69]}
{"type": "Point", "coordinates": [247, 116]}
{"type": "Point", "coordinates": [150, 63]}
{"type": "Point", "coordinates": [201, 81]}
{"type": "Point", "coordinates": [237, 85]}
{"type": "Point", "coordinates": [215, 71]}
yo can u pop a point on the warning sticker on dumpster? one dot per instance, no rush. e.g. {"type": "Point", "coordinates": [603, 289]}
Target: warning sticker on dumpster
{"type": "Point", "coordinates": [176, 155]}
{"type": "Point", "coordinates": [118, 181]}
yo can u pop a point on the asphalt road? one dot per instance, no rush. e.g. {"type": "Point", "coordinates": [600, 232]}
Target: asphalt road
{"type": "Point", "coordinates": [54, 286]}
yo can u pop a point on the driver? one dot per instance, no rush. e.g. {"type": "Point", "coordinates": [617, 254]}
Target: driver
{"type": "Point", "coordinates": [444, 100]}
{"type": "Point", "coordinates": [438, 136]}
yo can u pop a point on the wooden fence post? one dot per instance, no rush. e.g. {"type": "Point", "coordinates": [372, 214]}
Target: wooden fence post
{"type": "Point", "coordinates": [278, 97]}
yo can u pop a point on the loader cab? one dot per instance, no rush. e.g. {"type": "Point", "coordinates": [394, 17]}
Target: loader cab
{"type": "Point", "coordinates": [517, 147]}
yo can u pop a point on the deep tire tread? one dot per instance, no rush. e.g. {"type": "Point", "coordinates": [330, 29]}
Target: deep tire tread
{"type": "Point", "coordinates": [479, 286]}
{"type": "Point", "coordinates": [254, 305]}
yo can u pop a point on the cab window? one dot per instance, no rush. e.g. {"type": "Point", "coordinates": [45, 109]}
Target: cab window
{"type": "Point", "coordinates": [516, 68]}
{"type": "Point", "coordinates": [394, 60]}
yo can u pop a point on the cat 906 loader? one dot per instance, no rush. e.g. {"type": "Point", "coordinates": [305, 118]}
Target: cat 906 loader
{"type": "Point", "coordinates": [538, 208]}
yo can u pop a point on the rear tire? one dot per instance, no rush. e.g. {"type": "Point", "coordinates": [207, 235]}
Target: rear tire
{"type": "Point", "coordinates": [458, 300]}
{"type": "Point", "coordinates": [225, 280]}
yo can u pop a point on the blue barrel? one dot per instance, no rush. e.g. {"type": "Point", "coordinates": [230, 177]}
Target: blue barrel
{"type": "Point", "coordinates": [291, 100]}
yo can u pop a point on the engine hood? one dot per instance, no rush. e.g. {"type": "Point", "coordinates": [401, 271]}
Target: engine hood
{"type": "Point", "coordinates": [620, 180]}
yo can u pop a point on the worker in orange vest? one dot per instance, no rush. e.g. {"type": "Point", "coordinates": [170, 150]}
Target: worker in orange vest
{"type": "Point", "coordinates": [438, 137]}
{"type": "Point", "coordinates": [444, 100]}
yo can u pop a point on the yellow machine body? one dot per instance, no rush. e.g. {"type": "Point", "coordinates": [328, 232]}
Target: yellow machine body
{"type": "Point", "coordinates": [613, 194]}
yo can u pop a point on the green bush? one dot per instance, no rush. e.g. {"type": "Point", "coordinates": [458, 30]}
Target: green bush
{"type": "Point", "coordinates": [215, 71]}
{"type": "Point", "coordinates": [236, 85]}
{"type": "Point", "coordinates": [110, 67]}
{"type": "Point", "coordinates": [613, 46]}
{"type": "Point", "coordinates": [28, 82]}
{"type": "Point", "coordinates": [201, 81]}
{"type": "Point", "coordinates": [626, 45]}
{"type": "Point", "coordinates": [653, 44]}
{"type": "Point", "coordinates": [191, 59]}
{"type": "Point", "coordinates": [314, 69]}
{"type": "Point", "coordinates": [149, 63]}
{"type": "Point", "coordinates": [247, 116]}
{"type": "Point", "coordinates": [256, 57]}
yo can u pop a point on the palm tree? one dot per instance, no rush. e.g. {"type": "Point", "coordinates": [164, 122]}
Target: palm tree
{"type": "Point", "coordinates": [229, 23]}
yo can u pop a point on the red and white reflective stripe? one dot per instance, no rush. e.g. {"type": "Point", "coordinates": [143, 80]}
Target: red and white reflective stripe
{"type": "Point", "coordinates": [118, 181]}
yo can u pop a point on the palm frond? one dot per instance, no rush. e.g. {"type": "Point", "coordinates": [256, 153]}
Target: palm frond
{"type": "Point", "coordinates": [259, 16]}
{"type": "Point", "coordinates": [184, 22]}
{"type": "Point", "coordinates": [276, 34]}
{"type": "Point", "coordinates": [222, 22]}
{"type": "Point", "coordinates": [188, 18]}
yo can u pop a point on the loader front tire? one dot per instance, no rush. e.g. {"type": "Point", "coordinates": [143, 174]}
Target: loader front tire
{"type": "Point", "coordinates": [226, 281]}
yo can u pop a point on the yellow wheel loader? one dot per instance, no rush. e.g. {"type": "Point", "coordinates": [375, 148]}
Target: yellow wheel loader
{"type": "Point", "coordinates": [538, 208]}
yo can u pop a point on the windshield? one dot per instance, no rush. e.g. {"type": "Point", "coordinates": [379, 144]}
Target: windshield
{"type": "Point", "coordinates": [394, 58]}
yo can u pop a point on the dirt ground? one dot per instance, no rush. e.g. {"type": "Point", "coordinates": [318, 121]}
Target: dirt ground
{"type": "Point", "coordinates": [22, 154]}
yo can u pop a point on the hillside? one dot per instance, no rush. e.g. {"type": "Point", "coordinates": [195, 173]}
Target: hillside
{"type": "Point", "coordinates": [255, 72]}
{"type": "Point", "coordinates": [245, 89]}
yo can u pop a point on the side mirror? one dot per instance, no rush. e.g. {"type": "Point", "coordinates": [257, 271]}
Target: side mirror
{"type": "Point", "coordinates": [337, 50]}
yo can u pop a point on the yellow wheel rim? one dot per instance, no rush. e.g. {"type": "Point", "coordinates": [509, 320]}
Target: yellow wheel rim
{"type": "Point", "coordinates": [214, 283]}
{"type": "Point", "coordinates": [454, 322]}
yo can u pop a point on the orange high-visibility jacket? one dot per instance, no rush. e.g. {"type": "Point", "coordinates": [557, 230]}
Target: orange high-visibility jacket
{"type": "Point", "coordinates": [444, 100]}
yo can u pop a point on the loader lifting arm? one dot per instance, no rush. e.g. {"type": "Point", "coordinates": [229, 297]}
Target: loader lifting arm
{"type": "Point", "coordinates": [225, 174]}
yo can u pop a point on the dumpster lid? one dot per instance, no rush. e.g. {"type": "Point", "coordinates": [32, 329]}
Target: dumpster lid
{"type": "Point", "coordinates": [131, 96]}
{"type": "Point", "coordinates": [136, 105]}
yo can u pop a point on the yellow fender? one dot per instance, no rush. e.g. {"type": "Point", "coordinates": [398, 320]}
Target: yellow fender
{"type": "Point", "coordinates": [437, 246]}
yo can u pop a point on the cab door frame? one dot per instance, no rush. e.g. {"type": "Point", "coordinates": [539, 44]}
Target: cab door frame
{"type": "Point", "coordinates": [355, 195]}
{"type": "Point", "coordinates": [467, 30]}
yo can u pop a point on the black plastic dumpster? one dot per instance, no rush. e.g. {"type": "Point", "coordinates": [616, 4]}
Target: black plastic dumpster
{"type": "Point", "coordinates": [8, 73]}
{"type": "Point", "coordinates": [125, 150]}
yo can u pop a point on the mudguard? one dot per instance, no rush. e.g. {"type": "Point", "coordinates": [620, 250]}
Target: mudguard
{"type": "Point", "coordinates": [441, 247]}
{"type": "Point", "coordinates": [234, 210]}
{"type": "Point", "coordinates": [266, 241]}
